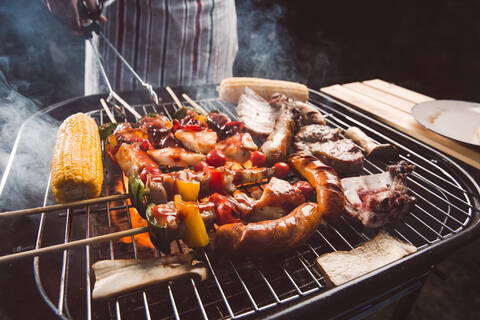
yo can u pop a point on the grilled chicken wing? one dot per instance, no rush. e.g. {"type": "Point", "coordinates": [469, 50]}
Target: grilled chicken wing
{"type": "Point", "coordinates": [175, 157]}
{"type": "Point", "coordinates": [238, 147]}
{"type": "Point", "coordinates": [197, 141]}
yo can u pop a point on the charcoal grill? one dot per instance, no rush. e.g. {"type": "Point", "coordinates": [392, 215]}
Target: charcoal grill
{"type": "Point", "coordinates": [446, 216]}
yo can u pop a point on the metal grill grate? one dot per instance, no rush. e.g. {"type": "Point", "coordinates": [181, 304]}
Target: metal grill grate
{"type": "Point", "coordinates": [240, 288]}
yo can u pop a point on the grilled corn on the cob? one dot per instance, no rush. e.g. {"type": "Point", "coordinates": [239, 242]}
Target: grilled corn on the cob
{"type": "Point", "coordinates": [77, 171]}
{"type": "Point", "coordinates": [230, 89]}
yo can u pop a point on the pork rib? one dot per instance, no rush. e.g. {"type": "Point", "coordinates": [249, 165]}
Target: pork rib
{"type": "Point", "coordinates": [380, 198]}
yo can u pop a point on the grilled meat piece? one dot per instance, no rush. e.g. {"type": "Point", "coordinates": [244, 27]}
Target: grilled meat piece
{"type": "Point", "coordinates": [316, 133]}
{"type": "Point", "coordinates": [238, 147]}
{"type": "Point", "coordinates": [276, 147]}
{"type": "Point", "coordinates": [197, 141]}
{"type": "Point", "coordinates": [342, 266]}
{"type": "Point", "coordinates": [132, 159]}
{"type": "Point", "coordinates": [324, 142]}
{"type": "Point", "coordinates": [278, 198]}
{"type": "Point", "coordinates": [380, 198]}
{"type": "Point", "coordinates": [175, 157]}
{"type": "Point", "coordinates": [162, 187]}
{"type": "Point", "coordinates": [258, 115]}
{"type": "Point", "coordinates": [306, 114]}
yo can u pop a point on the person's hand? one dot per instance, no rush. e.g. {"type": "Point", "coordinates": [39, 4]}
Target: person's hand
{"type": "Point", "coordinates": [67, 12]}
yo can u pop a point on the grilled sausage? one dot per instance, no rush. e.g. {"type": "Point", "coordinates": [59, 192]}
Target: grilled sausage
{"type": "Point", "coordinates": [327, 184]}
{"type": "Point", "coordinates": [269, 236]}
{"type": "Point", "coordinates": [276, 146]}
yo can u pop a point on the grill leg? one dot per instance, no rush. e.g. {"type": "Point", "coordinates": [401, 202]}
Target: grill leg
{"type": "Point", "coordinates": [405, 304]}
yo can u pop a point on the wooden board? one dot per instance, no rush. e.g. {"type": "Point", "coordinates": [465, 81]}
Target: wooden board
{"type": "Point", "coordinates": [392, 104]}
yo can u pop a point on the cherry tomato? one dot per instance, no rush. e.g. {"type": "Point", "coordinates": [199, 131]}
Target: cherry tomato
{"type": "Point", "coordinates": [305, 187]}
{"type": "Point", "coordinates": [200, 166]}
{"type": "Point", "coordinates": [216, 158]}
{"type": "Point", "coordinates": [192, 127]}
{"type": "Point", "coordinates": [148, 170]}
{"type": "Point", "coordinates": [217, 181]}
{"type": "Point", "coordinates": [281, 170]}
{"type": "Point", "coordinates": [146, 145]}
{"type": "Point", "coordinates": [257, 158]}
{"type": "Point", "coordinates": [225, 213]}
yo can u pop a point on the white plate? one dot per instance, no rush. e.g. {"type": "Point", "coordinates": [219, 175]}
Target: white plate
{"type": "Point", "coordinates": [458, 120]}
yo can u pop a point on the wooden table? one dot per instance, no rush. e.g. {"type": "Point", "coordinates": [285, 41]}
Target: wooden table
{"type": "Point", "coordinates": [392, 104]}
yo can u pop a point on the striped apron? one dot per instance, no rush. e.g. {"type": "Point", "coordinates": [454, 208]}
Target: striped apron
{"type": "Point", "coordinates": [167, 42]}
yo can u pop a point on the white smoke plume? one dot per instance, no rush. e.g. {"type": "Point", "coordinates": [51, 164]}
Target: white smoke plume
{"type": "Point", "coordinates": [30, 135]}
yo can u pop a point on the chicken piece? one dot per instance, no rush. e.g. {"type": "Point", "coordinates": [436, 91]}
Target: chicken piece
{"type": "Point", "coordinates": [198, 141]}
{"type": "Point", "coordinates": [238, 147]}
{"type": "Point", "coordinates": [175, 157]}
{"type": "Point", "coordinates": [278, 199]}
{"type": "Point", "coordinates": [132, 159]}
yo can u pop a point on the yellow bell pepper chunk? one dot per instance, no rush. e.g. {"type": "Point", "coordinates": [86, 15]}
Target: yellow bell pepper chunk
{"type": "Point", "coordinates": [195, 231]}
{"type": "Point", "coordinates": [201, 118]}
{"type": "Point", "coordinates": [188, 189]}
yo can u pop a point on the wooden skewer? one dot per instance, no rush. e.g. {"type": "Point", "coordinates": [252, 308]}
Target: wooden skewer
{"type": "Point", "coordinates": [126, 105]}
{"type": "Point", "coordinates": [174, 96]}
{"type": "Point", "coordinates": [72, 244]}
{"type": "Point", "coordinates": [107, 110]}
{"type": "Point", "coordinates": [60, 206]}
{"type": "Point", "coordinates": [194, 104]}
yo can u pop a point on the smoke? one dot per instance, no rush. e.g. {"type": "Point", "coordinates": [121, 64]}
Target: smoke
{"type": "Point", "coordinates": [45, 58]}
{"type": "Point", "coordinates": [283, 40]}
{"type": "Point", "coordinates": [28, 170]}
{"type": "Point", "coordinates": [266, 48]}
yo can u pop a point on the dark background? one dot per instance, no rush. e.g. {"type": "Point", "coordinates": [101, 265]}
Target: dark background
{"type": "Point", "coordinates": [428, 46]}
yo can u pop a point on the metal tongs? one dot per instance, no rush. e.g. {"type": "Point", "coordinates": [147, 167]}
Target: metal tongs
{"type": "Point", "coordinates": [92, 26]}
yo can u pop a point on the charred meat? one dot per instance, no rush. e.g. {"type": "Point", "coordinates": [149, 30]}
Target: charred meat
{"type": "Point", "coordinates": [306, 114]}
{"type": "Point", "coordinates": [326, 144]}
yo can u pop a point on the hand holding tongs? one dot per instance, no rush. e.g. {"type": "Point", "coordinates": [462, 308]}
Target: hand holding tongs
{"type": "Point", "coordinates": [93, 26]}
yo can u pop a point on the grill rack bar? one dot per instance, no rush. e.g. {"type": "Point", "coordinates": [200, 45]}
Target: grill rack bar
{"type": "Point", "coordinates": [335, 239]}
